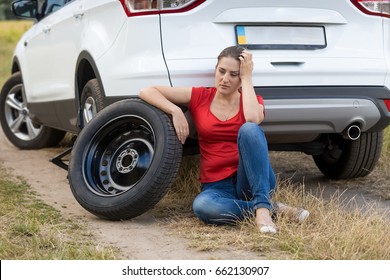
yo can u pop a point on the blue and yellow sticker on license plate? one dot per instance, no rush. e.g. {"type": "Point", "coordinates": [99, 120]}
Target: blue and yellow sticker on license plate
{"type": "Point", "coordinates": [281, 37]}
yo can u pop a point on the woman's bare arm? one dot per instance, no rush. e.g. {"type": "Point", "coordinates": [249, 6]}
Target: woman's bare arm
{"type": "Point", "coordinates": [167, 99]}
{"type": "Point", "coordinates": [253, 111]}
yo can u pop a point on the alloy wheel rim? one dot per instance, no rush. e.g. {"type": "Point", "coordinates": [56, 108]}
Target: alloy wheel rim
{"type": "Point", "coordinates": [18, 117]}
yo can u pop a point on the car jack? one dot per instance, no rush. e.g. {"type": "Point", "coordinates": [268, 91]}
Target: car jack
{"type": "Point", "coordinates": [60, 161]}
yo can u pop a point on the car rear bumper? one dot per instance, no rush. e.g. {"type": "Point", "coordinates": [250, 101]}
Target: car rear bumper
{"type": "Point", "coordinates": [318, 110]}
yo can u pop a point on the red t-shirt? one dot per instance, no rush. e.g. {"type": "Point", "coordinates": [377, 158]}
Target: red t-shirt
{"type": "Point", "coordinates": [217, 139]}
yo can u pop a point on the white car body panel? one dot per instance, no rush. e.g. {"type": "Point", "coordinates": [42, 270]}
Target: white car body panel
{"type": "Point", "coordinates": [337, 64]}
{"type": "Point", "coordinates": [136, 64]}
{"type": "Point", "coordinates": [180, 49]}
{"type": "Point", "coordinates": [45, 41]}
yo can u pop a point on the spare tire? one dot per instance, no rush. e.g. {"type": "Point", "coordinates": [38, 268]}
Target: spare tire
{"type": "Point", "coordinates": [124, 161]}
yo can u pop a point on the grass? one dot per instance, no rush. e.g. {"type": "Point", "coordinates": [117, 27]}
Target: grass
{"type": "Point", "coordinates": [386, 142]}
{"type": "Point", "coordinates": [337, 229]}
{"type": "Point", "coordinates": [10, 33]}
{"type": "Point", "coordinates": [32, 230]}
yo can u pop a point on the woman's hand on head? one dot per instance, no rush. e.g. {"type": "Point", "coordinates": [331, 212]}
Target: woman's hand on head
{"type": "Point", "coordinates": [246, 65]}
{"type": "Point", "coordinates": [181, 125]}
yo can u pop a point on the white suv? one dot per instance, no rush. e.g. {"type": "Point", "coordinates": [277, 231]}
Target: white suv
{"type": "Point", "coordinates": [323, 68]}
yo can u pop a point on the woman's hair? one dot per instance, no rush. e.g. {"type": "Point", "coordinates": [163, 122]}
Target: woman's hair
{"type": "Point", "coordinates": [233, 51]}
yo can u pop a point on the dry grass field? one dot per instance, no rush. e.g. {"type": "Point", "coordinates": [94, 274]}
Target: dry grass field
{"type": "Point", "coordinates": [10, 32]}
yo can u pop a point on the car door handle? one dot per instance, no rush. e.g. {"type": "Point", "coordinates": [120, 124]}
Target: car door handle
{"type": "Point", "coordinates": [78, 14]}
{"type": "Point", "coordinates": [46, 29]}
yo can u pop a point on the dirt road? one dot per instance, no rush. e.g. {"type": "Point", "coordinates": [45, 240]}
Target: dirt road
{"type": "Point", "coordinates": [144, 237]}
{"type": "Point", "coordinates": [139, 238]}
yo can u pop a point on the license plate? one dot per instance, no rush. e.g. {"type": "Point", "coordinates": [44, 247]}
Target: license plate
{"type": "Point", "coordinates": [281, 37]}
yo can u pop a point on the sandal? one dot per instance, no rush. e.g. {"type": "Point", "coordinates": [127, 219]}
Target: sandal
{"type": "Point", "coordinates": [302, 215]}
{"type": "Point", "coordinates": [267, 229]}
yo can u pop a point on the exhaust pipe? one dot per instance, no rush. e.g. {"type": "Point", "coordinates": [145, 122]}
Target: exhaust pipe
{"type": "Point", "coordinates": [352, 132]}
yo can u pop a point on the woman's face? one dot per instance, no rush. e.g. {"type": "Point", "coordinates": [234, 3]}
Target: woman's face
{"type": "Point", "coordinates": [227, 75]}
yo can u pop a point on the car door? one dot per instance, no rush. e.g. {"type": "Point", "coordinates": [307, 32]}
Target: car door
{"type": "Point", "coordinates": [51, 53]}
{"type": "Point", "coordinates": [35, 67]}
{"type": "Point", "coordinates": [63, 40]}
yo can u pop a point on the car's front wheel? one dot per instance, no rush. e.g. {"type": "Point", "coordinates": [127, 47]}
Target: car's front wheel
{"type": "Point", "coordinates": [346, 159]}
{"type": "Point", "coordinates": [124, 160]}
{"type": "Point", "coordinates": [16, 122]}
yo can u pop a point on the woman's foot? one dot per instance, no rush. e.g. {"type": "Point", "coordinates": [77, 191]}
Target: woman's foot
{"type": "Point", "coordinates": [298, 215]}
{"type": "Point", "coordinates": [264, 221]}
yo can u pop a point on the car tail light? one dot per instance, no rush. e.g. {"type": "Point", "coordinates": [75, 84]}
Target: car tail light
{"type": "Point", "coordinates": [387, 103]}
{"type": "Point", "coordinates": [373, 7]}
{"type": "Point", "coordinates": [148, 7]}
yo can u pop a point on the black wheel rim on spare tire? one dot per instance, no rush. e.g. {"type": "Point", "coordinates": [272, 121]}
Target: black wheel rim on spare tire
{"type": "Point", "coordinates": [119, 155]}
{"type": "Point", "coordinates": [124, 161]}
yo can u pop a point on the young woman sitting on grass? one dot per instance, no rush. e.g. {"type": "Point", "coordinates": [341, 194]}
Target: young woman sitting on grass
{"type": "Point", "coordinates": [236, 177]}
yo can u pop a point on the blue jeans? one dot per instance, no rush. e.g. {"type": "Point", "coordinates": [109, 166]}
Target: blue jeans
{"type": "Point", "coordinates": [232, 199]}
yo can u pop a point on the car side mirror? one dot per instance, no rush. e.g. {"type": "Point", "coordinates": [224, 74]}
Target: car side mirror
{"type": "Point", "coordinates": [25, 8]}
